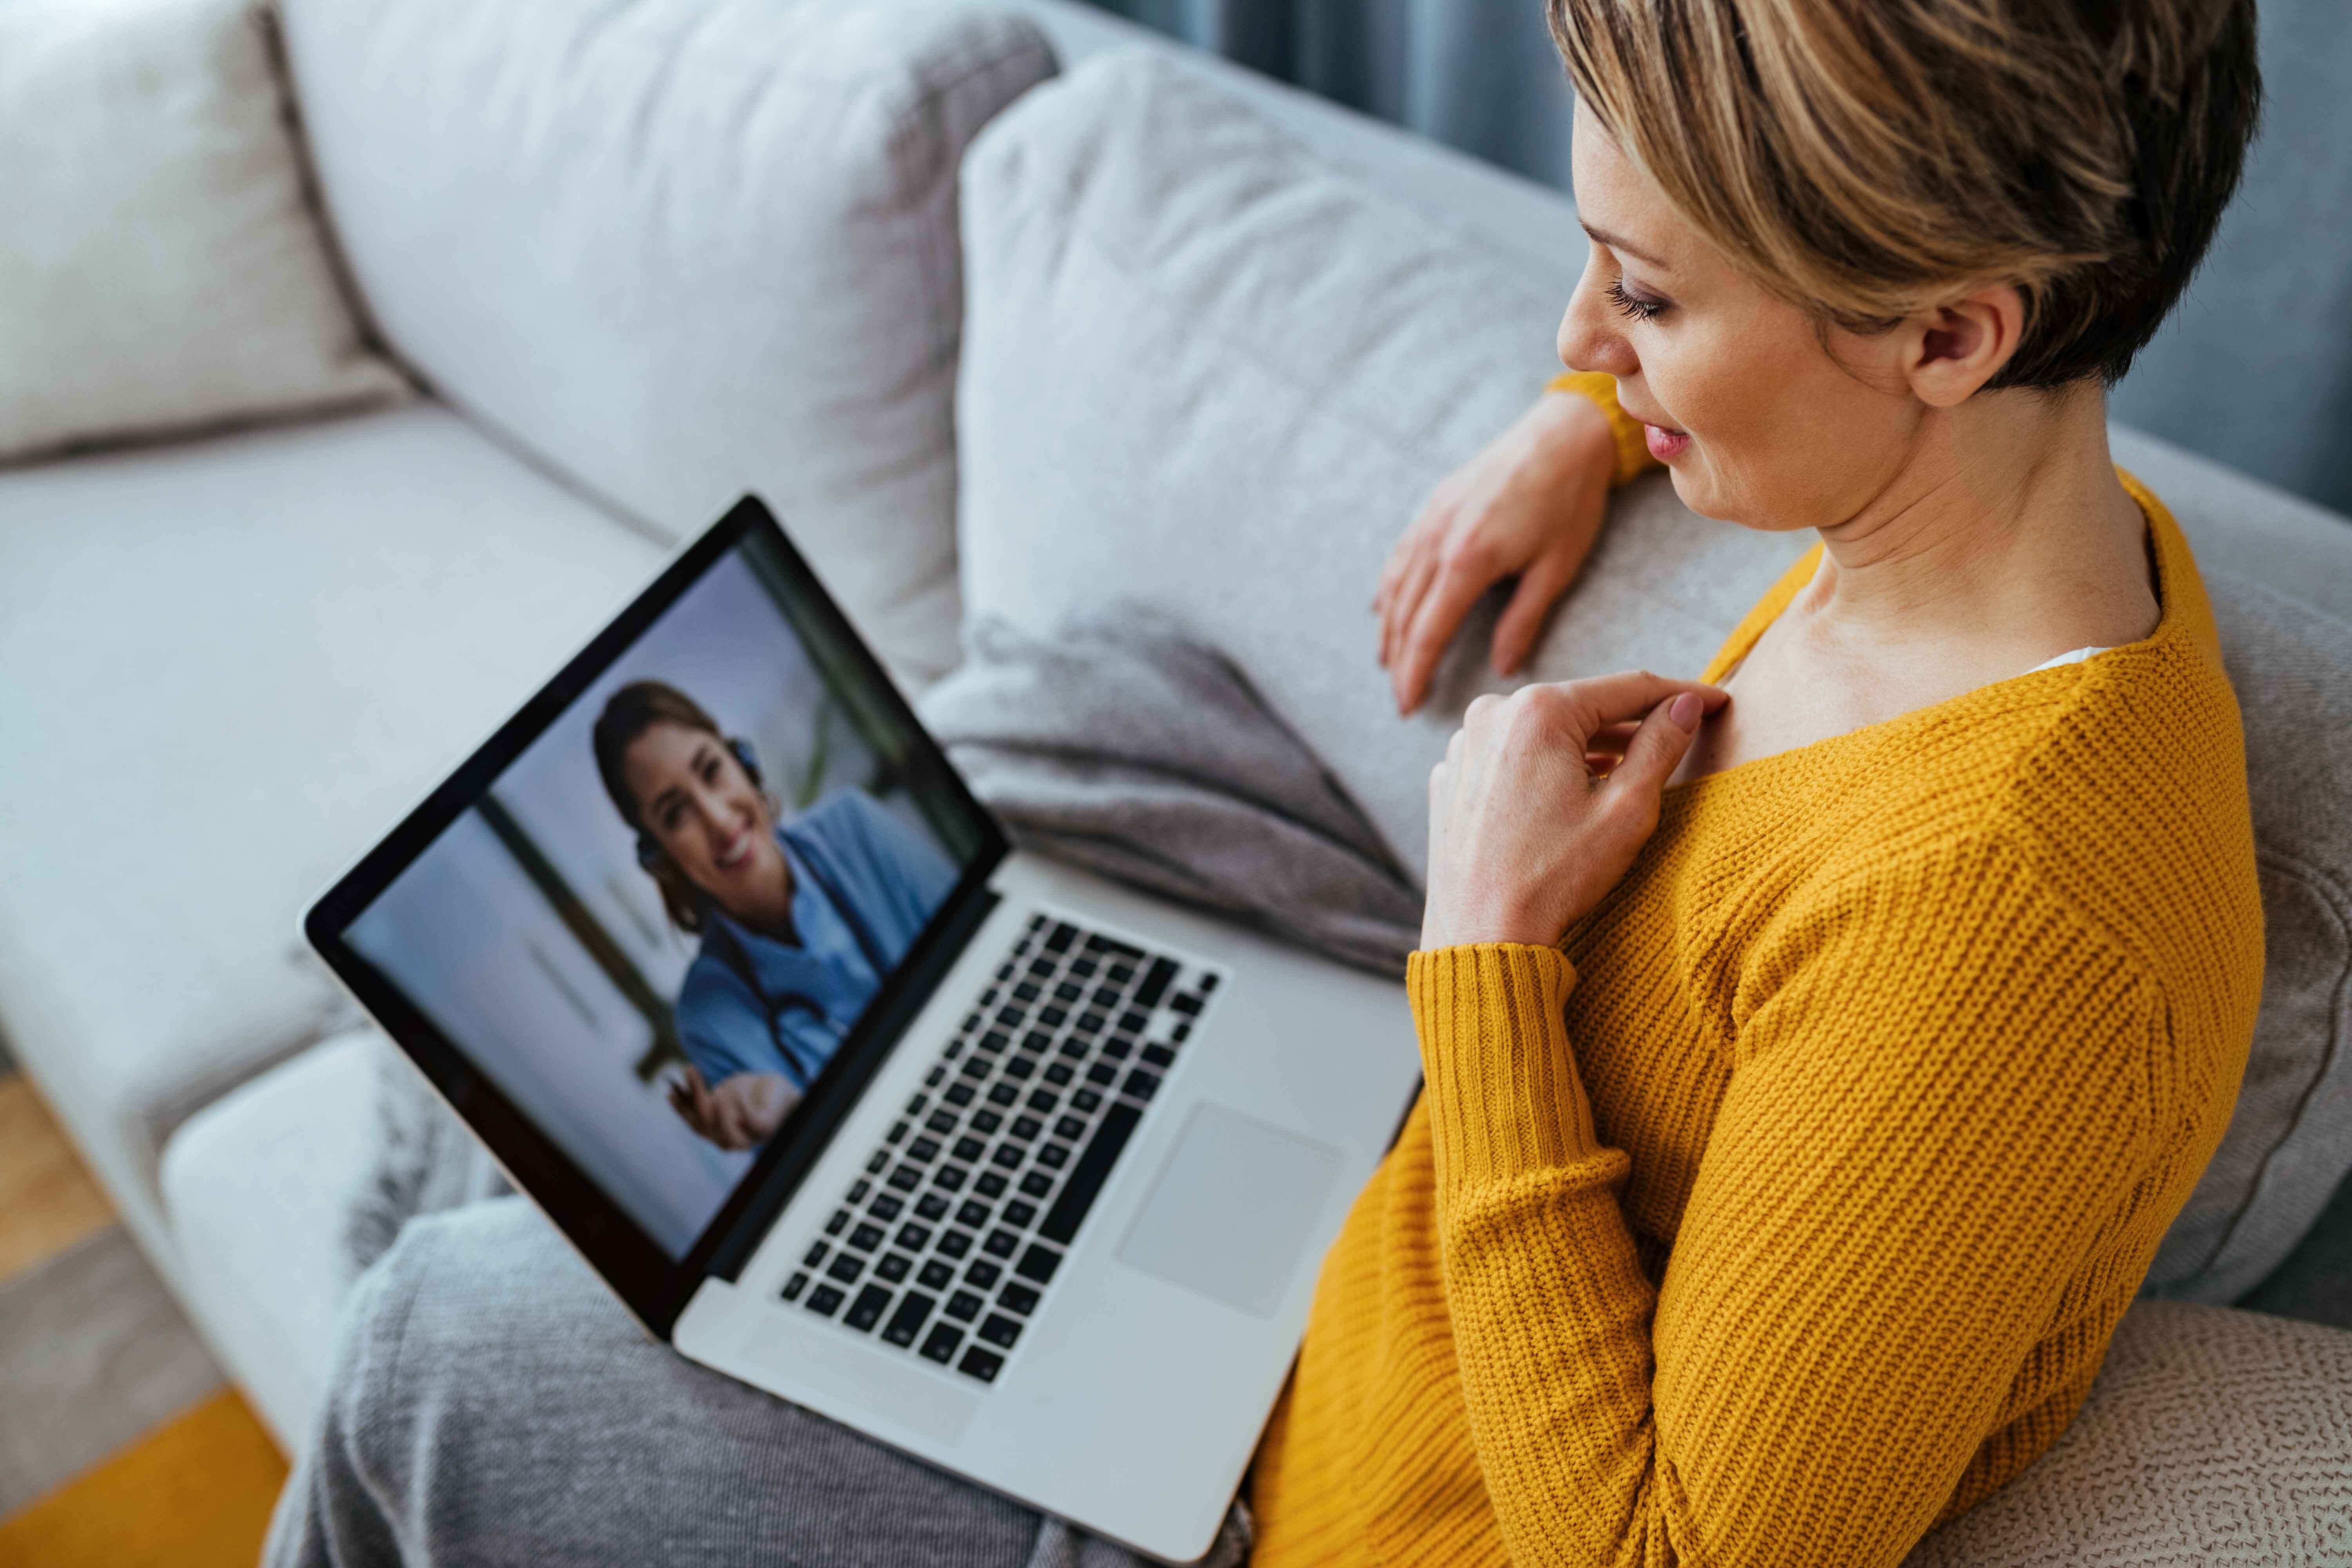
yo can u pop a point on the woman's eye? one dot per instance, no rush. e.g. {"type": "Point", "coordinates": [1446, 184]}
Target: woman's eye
{"type": "Point", "coordinates": [1635, 307]}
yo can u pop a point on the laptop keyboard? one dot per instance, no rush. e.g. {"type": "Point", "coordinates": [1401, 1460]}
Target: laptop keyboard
{"type": "Point", "coordinates": [944, 1245]}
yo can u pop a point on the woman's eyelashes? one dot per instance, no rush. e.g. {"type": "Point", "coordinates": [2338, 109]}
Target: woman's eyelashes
{"type": "Point", "coordinates": [1636, 306]}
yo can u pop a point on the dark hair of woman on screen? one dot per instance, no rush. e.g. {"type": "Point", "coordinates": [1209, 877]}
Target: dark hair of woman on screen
{"type": "Point", "coordinates": [799, 918]}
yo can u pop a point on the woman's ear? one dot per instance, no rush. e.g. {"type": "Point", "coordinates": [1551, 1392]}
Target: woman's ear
{"type": "Point", "coordinates": [1951, 349]}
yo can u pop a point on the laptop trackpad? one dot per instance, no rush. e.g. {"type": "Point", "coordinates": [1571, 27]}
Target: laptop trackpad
{"type": "Point", "coordinates": [1230, 1215]}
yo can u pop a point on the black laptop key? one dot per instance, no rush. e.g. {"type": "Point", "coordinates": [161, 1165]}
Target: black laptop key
{"type": "Point", "coordinates": [1053, 1156]}
{"type": "Point", "coordinates": [914, 1238]}
{"type": "Point", "coordinates": [940, 1344]}
{"type": "Point", "coordinates": [833, 1225]}
{"type": "Point", "coordinates": [1026, 1127]}
{"type": "Point", "coordinates": [794, 1285]}
{"type": "Point", "coordinates": [1070, 1127]}
{"type": "Point", "coordinates": [898, 1131]}
{"type": "Point", "coordinates": [949, 1178]}
{"type": "Point", "coordinates": [1107, 997]}
{"type": "Point", "coordinates": [1027, 991]}
{"type": "Point", "coordinates": [969, 1150]}
{"type": "Point", "coordinates": [1018, 1068]}
{"type": "Point", "coordinates": [958, 1094]}
{"type": "Point", "coordinates": [965, 1306]}
{"type": "Point", "coordinates": [935, 1275]}
{"type": "Point", "coordinates": [1084, 964]}
{"type": "Point", "coordinates": [815, 1256]}
{"type": "Point", "coordinates": [1036, 1183]}
{"type": "Point", "coordinates": [1051, 1017]}
{"type": "Point", "coordinates": [1140, 1084]}
{"type": "Point", "coordinates": [974, 1068]}
{"type": "Point", "coordinates": [1180, 1032]}
{"type": "Point", "coordinates": [866, 1237]}
{"type": "Point", "coordinates": [1066, 991]}
{"type": "Point", "coordinates": [1158, 1056]}
{"type": "Point", "coordinates": [1121, 974]}
{"type": "Point", "coordinates": [1087, 1176]}
{"type": "Point", "coordinates": [1018, 1214]}
{"type": "Point", "coordinates": [1008, 1156]}
{"type": "Point", "coordinates": [982, 1364]}
{"type": "Point", "coordinates": [1060, 1073]}
{"type": "Point", "coordinates": [1004, 1093]}
{"type": "Point", "coordinates": [1086, 1099]}
{"type": "Point", "coordinates": [1017, 1299]}
{"type": "Point", "coordinates": [1063, 935]}
{"type": "Point", "coordinates": [1001, 1243]}
{"type": "Point", "coordinates": [973, 1216]}
{"type": "Point", "coordinates": [1184, 1002]}
{"type": "Point", "coordinates": [983, 1274]}
{"type": "Point", "coordinates": [1090, 1023]}
{"type": "Point", "coordinates": [905, 1178]}
{"type": "Point", "coordinates": [845, 1266]}
{"type": "Point", "coordinates": [1041, 966]}
{"type": "Point", "coordinates": [994, 1041]}
{"type": "Point", "coordinates": [866, 1311]}
{"type": "Point", "coordinates": [1102, 1073]}
{"type": "Point", "coordinates": [954, 1244]}
{"type": "Point", "coordinates": [824, 1300]}
{"type": "Point", "coordinates": [894, 1267]}
{"type": "Point", "coordinates": [1038, 1263]}
{"type": "Point", "coordinates": [1099, 943]}
{"type": "Point", "coordinates": [1119, 1048]}
{"type": "Point", "coordinates": [932, 1078]}
{"type": "Point", "coordinates": [905, 1323]}
{"type": "Point", "coordinates": [940, 1121]}
{"type": "Point", "coordinates": [990, 1185]}
{"type": "Point", "coordinates": [1012, 1018]}
{"type": "Point", "coordinates": [1043, 1101]}
{"type": "Point", "coordinates": [1133, 1023]}
{"type": "Point", "coordinates": [986, 1121]}
{"type": "Point", "coordinates": [930, 1205]}
{"type": "Point", "coordinates": [1075, 1048]}
{"type": "Point", "coordinates": [1208, 983]}
{"type": "Point", "coordinates": [998, 1330]}
{"type": "Point", "coordinates": [1035, 1041]}
{"type": "Point", "coordinates": [1155, 983]}
{"type": "Point", "coordinates": [881, 1158]}
{"type": "Point", "coordinates": [923, 1150]}
{"type": "Point", "coordinates": [884, 1208]}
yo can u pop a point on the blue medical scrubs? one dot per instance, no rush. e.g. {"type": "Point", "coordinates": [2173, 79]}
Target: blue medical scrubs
{"type": "Point", "coordinates": [769, 1006]}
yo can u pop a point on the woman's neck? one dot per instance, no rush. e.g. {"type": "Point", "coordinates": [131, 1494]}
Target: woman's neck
{"type": "Point", "coordinates": [2004, 538]}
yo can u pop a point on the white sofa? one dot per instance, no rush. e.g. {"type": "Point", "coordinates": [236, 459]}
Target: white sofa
{"type": "Point", "coordinates": [238, 658]}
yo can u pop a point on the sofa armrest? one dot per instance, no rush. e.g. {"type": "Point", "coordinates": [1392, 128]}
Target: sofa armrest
{"type": "Point", "coordinates": [2212, 1435]}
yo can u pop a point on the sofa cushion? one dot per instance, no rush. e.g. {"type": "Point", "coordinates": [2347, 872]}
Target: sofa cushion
{"type": "Point", "coordinates": [1207, 371]}
{"type": "Point", "coordinates": [159, 268]}
{"type": "Point", "coordinates": [234, 663]}
{"type": "Point", "coordinates": [258, 1186]}
{"type": "Point", "coordinates": [682, 249]}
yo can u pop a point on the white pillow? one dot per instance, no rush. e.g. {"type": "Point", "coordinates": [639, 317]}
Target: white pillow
{"type": "Point", "coordinates": [679, 249]}
{"type": "Point", "coordinates": [159, 268]}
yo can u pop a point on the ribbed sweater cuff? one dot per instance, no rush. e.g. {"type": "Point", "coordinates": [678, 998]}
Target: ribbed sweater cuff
{"type": "Point", "coordinates": [1503, 1094]}
{"type": "Point", "coordinates": [1633, 457]}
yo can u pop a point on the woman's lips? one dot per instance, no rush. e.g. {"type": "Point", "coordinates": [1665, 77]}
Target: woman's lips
{"type": "Point", "coordinates": [735, 851]}
{"type": "Point", "coordinates": [1666, 445]}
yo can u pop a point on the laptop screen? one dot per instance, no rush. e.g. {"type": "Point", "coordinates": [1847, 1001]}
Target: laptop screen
{"type": "Point", "coordinates": [652, 912]}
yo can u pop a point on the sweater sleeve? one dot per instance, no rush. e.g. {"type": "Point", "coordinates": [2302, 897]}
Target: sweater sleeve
{"type": "Point", "coordinates": [1633, 457]}
{"type": "Point", "coordinates": [1931, 1123]}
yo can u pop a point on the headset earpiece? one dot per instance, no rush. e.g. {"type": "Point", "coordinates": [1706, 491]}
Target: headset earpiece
{"type": "Point", "coordinates": [743, 754]}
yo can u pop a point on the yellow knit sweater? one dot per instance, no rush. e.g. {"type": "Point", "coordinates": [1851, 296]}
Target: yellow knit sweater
{"type": "Point", "coordinates": [1788, 1210]}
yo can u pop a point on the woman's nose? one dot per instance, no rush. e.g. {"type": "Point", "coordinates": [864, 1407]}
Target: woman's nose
{"type": "Point", "coordinates": [1588, 336]}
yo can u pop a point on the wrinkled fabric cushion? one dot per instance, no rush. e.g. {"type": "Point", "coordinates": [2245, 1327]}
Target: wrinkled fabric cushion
{"type": "Point", "coordinates": [681, 251]}
{"type": "Point", "coordinates": [2290, 1138]}
{"type": "Point", "coordinates": [253, 655]}
{"type": "Point", "coordinates": [2211, 1438]}
{"type": "Point", "coordinates": [1206, 371]}
{"type": "Point", "coordinates": [159, 268]}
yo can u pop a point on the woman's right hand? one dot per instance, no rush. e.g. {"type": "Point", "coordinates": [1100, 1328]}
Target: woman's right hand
{"type": "Point", "coordinates": [741, 1112]}
{"type": "Point", "coordinates": [1530, 503]}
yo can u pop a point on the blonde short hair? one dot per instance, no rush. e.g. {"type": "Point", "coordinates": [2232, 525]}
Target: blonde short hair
{"type": "Point", "coordinates": [1863, 158]}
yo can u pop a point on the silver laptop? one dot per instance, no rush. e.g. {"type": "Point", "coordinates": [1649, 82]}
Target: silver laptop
{"type": "Point", "coordinates": [1012, 1168]}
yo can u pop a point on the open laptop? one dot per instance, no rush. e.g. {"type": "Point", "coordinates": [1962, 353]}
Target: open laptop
{"type": "Point", "coordinates": [1022, 1172]}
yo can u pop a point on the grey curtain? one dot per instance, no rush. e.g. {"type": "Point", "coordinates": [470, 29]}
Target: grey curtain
{"type": "Point", "coordinates": [2256, 368]}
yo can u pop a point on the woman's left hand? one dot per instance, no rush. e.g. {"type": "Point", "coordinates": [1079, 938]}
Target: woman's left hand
{"type": "Point", "coordinates": [1544, 798]}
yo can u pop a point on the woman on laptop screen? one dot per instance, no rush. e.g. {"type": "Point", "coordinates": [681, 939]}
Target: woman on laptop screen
{"type": "Point", "coordinates": [799, 918]}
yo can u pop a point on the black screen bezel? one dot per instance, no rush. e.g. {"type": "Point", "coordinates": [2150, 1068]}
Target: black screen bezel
{"type": "Point", "coordinates": [656, 1286]}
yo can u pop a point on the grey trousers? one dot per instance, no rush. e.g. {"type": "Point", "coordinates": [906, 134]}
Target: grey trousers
{"type": "Point", "coordinates": [492, 1403]}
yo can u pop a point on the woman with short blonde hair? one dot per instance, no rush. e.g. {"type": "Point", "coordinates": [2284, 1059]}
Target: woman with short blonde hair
{"type": "Point", "coordinates": [1816, 1056]}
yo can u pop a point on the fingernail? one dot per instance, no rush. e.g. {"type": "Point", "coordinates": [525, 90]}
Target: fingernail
{"type": "Point", "coordinates": [1684, 710]}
